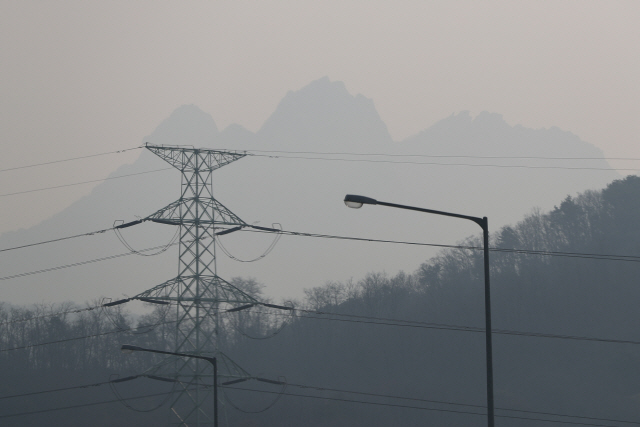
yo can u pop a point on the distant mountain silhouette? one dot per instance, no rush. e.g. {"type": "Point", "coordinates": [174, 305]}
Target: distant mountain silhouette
{"type": "Point", "coordinates": [236, 135]}
{"type": "Point", "coordinates": [187, 125]}
{"type": "Point", "coordinates": [489, 135]}
{"type": "Point", "coordinates": [323, 116]}
{"type": "Point", "coordinates": [306, 195]}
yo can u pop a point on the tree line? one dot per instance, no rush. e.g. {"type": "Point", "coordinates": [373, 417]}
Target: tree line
{"type": "Point", "coordinates": [390, 335]}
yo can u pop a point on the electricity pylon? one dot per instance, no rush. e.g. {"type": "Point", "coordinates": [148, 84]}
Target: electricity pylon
{"type": "Point", "coordinates": [197, 291]}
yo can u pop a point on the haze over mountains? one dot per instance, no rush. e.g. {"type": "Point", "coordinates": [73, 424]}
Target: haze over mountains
{"type": "Point", "coordinates": [306, 195]}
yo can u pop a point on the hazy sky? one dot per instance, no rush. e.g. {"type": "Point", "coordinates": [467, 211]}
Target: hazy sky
{"type": "Point", "coordinates": [83, 77]}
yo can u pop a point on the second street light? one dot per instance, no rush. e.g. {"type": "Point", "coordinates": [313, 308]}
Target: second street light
{"type": "Point", "coordinates": [126, 348]}
{"type": "Point", "coordinates": [354, 201]}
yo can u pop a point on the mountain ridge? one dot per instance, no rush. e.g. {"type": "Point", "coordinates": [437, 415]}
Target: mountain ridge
{"type": "Point", "coordinates": [303, 195]}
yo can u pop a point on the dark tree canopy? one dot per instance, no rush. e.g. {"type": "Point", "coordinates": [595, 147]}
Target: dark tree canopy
{"type": "Point", "coordinates": [332, 341]}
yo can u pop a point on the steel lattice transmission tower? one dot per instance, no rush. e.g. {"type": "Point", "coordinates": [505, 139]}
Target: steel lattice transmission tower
{"type": "Point", "coordinates": [197, 290]}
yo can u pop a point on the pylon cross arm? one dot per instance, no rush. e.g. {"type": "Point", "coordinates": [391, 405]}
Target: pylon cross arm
{"type": "Point", "coordinates": [211, 212]}
{"type": "Point", "coordinates": [228, 293]}
{"type": "Point", "coordinates": [195, 159]}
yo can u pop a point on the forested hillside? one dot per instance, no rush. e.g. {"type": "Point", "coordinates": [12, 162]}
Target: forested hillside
{"type": "Point", "coordinates": [565, 292]}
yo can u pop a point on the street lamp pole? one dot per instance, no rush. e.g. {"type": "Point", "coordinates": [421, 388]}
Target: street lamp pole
{"type": "Point", "coordinates": [354, 201]}
{"type": "Point", "coordinates": [126, 348]}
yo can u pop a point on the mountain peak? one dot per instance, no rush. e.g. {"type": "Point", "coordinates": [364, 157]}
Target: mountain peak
{"type": "Point", "coordinates": [488, 134]}
{"type": "Point", "coordinates": [236, 136]}
{"type": "Point", "coordinates": [323, 115]}
{"type": "Point", "coordinates": [186, 125]}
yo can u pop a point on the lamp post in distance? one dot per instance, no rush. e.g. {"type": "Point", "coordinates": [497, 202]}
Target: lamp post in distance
{"type": "Point", "coordinates": [126, 348]}
{"type": "Point", "coordinates": [356, 202]}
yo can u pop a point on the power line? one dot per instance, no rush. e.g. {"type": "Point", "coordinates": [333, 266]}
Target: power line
{"type": "Point", "coordinates": [41, 411]}
{"type": "Point", "coordinates": [442, 156]}
{"type": "Point", "coordinates": [609, 257]}
{"type": "Point", "coordinates": [565, 254]}
{"type": "Point", "coordinates": [79, 310]}
{"type": "Point", "coordinates": [117, 331]}
{"type": "Point", "coordinates": [342, 154]}
{"type": "Point", "coordinates": [446, 164]}
{"type": "Point", "coordinates": [334, 399]}
{"type": "Point", "coordinates": [76, 264]}
{"type": "Point", "coordinates": [373, 320]}
{"type": "Point", "coordinates": [83, 182]}
{"type": "Point", "coordinates": [444, 402]}
{"type": "Point", "coordinates": [73, 237]}
{"type": "Point", "coordinates": [59, 313]}
{"type": "Point", "coordinates": [421, 407]}
{"type": "Point", "coordinates": [357, 160]}
{"type": "Point", "coordinates": [91, 233]}
{"type": "Point", "coordinates": [55, 390]}
{"type": "Point", "coordinates": [443, 326]}
{"type": "Point", "coordinates": [606, 257]}
{"type": "Point", "coordinates": [69, 159]}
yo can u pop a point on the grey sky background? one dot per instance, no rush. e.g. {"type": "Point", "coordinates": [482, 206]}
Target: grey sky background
{"type": "Point", "coordinates": [86, 77]}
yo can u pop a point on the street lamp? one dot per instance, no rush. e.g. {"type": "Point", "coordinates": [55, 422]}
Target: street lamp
{"type": "Point", "coordinates": [356, 202]}
{"type": "Point", "coordinates": [126, 348]}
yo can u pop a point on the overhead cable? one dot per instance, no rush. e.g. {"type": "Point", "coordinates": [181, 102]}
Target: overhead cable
{"type": "Point", "coordinates": [85, 336]}
{"type": "Point", "coordinates": [76, 264]}
{"type": "Point", "coordinates": [381, 321]}
{"type": "Point", "coordinates": [605, 257]}
{"type": "Point", "coordinates": [44, 316]}
{"type": "Point", "coordinates": [55, 390]}
{"type": "Point", "coordinates": [444, 402]}
{"type": "Point", "coordinates": [83, 182]}
{"type": "Point", "coordinates": [283, 384]}
{"type": "Point", "coordinates": [70, 159]}
{"type": "Point", "coordinates": [609, 257]}
{"type": "Point", "coordinates": [320, 153]}
{"type": "Point", "coordinates": [441, 326]}
{"type": "Point", "coordinates": [361, 161]}
{"type": "Point", "coordinates": [395, 405]}
{"type": "Point", "coordinates": [162, 249]}
{"type": "Point", "coordinates": [336, 390]}
{"type": "Point", "coordinates": [446, 164]}
{"type": "Point", "coordinates": [126, 404]}
{"type": "Point", "coordinates": [55, 240]}
{"type": "Point", "coordinates": [276, 229]}
{"type": "Point", "coordinates": [441, 156]}
{"type": "Point", "coordinates": [84, 405]}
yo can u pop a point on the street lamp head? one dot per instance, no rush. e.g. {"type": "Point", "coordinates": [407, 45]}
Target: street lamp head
{"type": "Point", "coordinates": [356, 202]}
